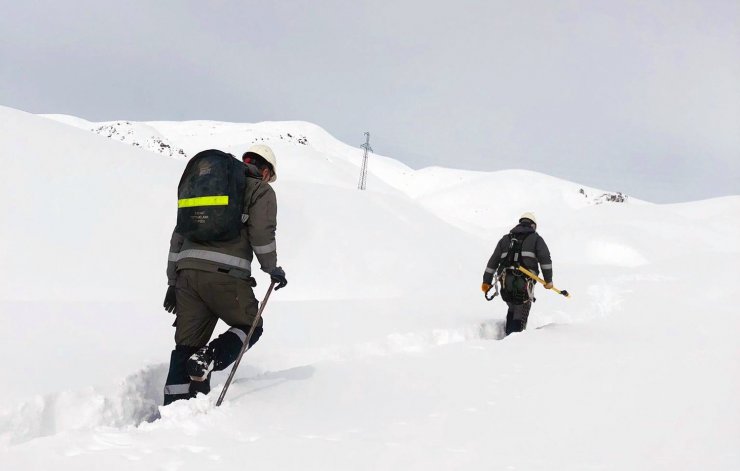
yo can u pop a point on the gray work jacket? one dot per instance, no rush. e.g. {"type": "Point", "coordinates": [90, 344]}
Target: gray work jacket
{"type": "Point", "coordinates": [233, 257]}
{"type": "Point", "coordinates": [534, 252]}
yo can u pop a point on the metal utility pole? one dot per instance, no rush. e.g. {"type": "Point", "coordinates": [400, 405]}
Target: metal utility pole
{"type": "Point", "coordinates": [363, 171]}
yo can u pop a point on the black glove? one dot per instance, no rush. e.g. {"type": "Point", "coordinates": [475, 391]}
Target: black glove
{"type": "Point", "coordinates": [278, 276]}
{"type": "Point", "coordinates": [170, 300]}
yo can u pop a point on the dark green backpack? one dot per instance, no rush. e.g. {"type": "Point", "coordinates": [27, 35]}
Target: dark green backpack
{"type": "Point", "coordinates": [210, 197]}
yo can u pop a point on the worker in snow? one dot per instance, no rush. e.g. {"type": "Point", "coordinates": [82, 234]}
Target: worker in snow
{"type": "Point", "coordinates": [212, 280]}
{"type": "Point", "coordinates": [521, 246]}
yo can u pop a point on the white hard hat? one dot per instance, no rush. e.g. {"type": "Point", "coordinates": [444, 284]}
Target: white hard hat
{"type": "Point", "coordinates": [266, 153]}
{"type": "Point", "coordinates": [528, 215]}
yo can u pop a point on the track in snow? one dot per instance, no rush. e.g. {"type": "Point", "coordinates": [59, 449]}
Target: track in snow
{"type": "Point", "coordinates": [136, 398]}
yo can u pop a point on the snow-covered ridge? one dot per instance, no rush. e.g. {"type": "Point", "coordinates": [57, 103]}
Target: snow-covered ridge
{"type": "Point", "coordinates": [136, 134]}
{"type": "Point", "coordinates": [159, 136]}
{"type": "Point", "coordinates": [434, 187]}
{"type": "Point", "coordinates": [606, 197]}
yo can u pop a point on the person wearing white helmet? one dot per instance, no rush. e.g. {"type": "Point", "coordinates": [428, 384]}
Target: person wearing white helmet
{"type": "Point", "coordinates": [522, 246]}
{"type": "Point", "coordinates": [263, 159]}
{"type": "Point", "coordinates": [212, 279]}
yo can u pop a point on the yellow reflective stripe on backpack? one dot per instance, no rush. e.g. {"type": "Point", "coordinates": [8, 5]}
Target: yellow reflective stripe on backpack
{"type": "Point", "coordinates": [203, 201]}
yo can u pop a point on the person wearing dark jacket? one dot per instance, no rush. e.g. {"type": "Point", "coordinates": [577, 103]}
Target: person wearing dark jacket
{"type": "Point", "coordinates": [209, 281]}
{"type": "Point", "coordinates": [533, 252]}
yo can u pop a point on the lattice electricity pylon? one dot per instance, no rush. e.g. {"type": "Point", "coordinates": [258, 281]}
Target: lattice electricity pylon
{"type": "Point", "coordinates": [363, 172]}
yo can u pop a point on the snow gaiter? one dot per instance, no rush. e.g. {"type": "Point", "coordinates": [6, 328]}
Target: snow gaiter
{"type": "Point", "coordinates": [177, 385]}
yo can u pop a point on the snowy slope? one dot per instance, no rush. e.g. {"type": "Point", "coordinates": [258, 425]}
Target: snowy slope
{"type": "Point", "coordinates": [381, 352]}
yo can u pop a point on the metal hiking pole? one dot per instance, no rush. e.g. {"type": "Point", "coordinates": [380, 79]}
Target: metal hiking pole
{"type": "Point", "coordinates": [245, 347]}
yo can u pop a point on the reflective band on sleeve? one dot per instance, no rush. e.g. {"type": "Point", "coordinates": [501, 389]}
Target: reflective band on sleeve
{"type": "Point", "coordinates": [262, 249]}
{"type": "Point", "coordinates": [177, 389]}
{"type": "Point", "coordinates": [503, 255]}
{"type": "Point", "coordinates": [203, 201]}
{"type": "Point", "coordinates": [529, 254]}
{"type": "Point", "coordinates": [172, 257]}
{"type": "Point", "coordinates": [547, 266]}
{"type": "Point", "coordinates": [215, 257]}
{"type": "Point", "coordinates": [239, 333]}
{"type": "Point", "coordinates": [489, 270]}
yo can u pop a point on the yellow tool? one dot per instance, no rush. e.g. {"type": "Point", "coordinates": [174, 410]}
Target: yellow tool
{"type": "Point", "coordinates": [537, 278]}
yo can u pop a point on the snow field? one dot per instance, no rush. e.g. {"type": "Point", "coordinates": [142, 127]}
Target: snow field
{"type": "Point", "coordinates": [381, 352]}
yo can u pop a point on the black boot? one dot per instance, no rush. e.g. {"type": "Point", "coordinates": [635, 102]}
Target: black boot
{"type": "Point", "coordinates": [200, 364]}
{"type": "Point", "coordinates": [200, 387]}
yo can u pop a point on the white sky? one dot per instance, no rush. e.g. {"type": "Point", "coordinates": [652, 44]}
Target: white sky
{"type": "Point", "coordinates": [634, 96]}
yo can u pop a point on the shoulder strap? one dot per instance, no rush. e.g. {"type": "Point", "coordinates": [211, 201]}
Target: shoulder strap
{"type": "Point", "coordinates": [514, 251]}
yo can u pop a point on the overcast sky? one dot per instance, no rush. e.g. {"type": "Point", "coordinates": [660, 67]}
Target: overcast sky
{"type": "Point", "coordinates": [635, 96]}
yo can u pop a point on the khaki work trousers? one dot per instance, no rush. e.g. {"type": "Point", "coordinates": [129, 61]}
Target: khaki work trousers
{"type": "Point", "coordinates": [205, 297]}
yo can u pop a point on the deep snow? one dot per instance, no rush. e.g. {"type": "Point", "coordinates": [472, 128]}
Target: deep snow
{"type": "Point", "coordinates": [381, 353]}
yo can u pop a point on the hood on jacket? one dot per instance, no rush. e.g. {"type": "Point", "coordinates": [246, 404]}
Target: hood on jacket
{"type": "Point", "coordinates": [522, 229]}
{"type": "Point", "coordinates": [253, 171]}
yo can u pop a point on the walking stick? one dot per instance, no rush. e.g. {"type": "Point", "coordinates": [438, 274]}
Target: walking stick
{"type": "Point", "coordinates": [537, 278]}
{"type": "Point", "coordinates": [245, 346]}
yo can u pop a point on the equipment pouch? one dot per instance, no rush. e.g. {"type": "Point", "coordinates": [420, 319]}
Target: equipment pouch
{"type": "Point", "coordinates": [515, 287]}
